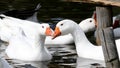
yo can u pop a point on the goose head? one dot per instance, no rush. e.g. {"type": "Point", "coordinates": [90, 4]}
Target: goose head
{"type": "Point", "coordinates": [88, 24]}
{"type": "Point", "coordinates": [63, 27]}
{"type": "Point", "coordinates": [67, 26]}
{"type": "Point", "coordinates": [45, 29]}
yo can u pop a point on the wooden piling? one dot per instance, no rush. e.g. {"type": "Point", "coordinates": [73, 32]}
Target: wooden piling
{"type": "Point", "coordinates": [105, 34]}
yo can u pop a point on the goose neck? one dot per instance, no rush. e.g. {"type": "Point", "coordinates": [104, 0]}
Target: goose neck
{"type": "Point", "coordinates": [79, 36]}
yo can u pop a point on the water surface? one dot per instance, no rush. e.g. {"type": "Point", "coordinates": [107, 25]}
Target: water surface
{"type": "Point", "coordinates": [64, 56]}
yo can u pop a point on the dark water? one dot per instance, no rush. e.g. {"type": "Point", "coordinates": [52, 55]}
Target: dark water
{"type": "Point", "coordinates": [52, 11]}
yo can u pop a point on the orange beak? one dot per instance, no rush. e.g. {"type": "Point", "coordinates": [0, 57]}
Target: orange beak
{"type": "Point", "coordinates": [49, 32]}
{"type": "Point", "coordinates": [57, 32]}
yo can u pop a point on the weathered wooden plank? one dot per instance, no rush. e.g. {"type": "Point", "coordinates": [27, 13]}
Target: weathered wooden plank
{"type": "Point", "coordinates": [103, 2]}
{"type": "Point", "coordinates": [110, 51]}
{"type": "Point", "coordinates": [104, 19]}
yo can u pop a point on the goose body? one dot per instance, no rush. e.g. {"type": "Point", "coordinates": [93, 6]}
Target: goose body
{"type": "Point", "coordinates": [26, 48]}
{"type": "Point", "coordinates": [83, 47]}
{"type": "Point", "coordinates": [67, 39]}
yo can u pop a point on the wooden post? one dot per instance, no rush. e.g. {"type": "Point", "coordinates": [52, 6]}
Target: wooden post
{"type": "Point", "coordinates": [105, 34]}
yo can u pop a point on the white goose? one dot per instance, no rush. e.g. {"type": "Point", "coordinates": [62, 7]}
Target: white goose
{"type": "Point", "coordinates": [83, 47]}
{"type": "Point", "coordinates": [67, 39]}
{"type": "Point", "coordinates": [24, 48]}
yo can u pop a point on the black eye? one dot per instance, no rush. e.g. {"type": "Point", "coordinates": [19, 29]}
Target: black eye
{"type": "Point", "coordinates": [42, 26]}
{"type": "Point", "coordinates": [90, 21]}
{"type": "Point", "coordinates": [61, 24]}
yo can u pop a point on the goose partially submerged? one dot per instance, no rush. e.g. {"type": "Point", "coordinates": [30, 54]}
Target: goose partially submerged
{"type": "Point", "coordinates": [83, 47]}
{"type": "Point", "coordinates": [23, 47]}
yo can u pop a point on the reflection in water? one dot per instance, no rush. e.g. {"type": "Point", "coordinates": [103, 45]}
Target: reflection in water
{"type": "Point", "coordinates": [89, 63]}
{"type": "Point", "coordinates": [64, 56]}
{"type": "Point", "coordinates": [23, 64]}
